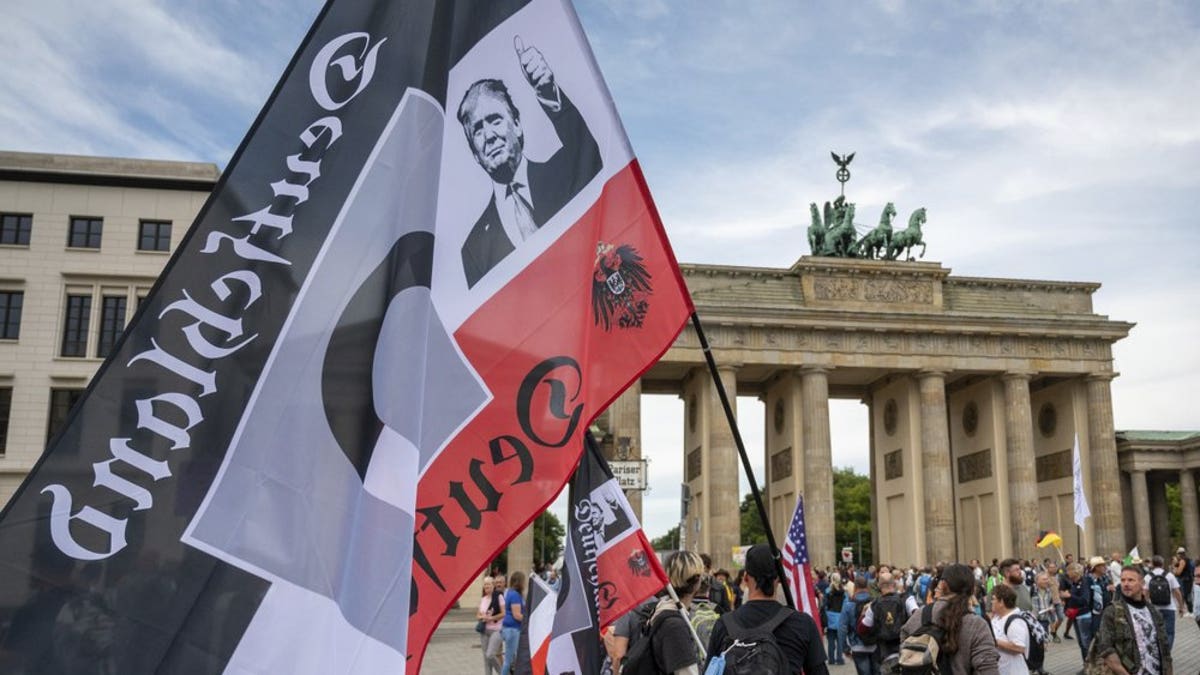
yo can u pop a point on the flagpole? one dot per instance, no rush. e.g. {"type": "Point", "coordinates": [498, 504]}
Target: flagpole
{"type": "Point", "coordinates": [741, 447]}
{"type": "Point", "coordinates": [688, 620]}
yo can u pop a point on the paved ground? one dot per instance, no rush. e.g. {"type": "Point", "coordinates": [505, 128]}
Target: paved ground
{"type": "Point", "coordinates": [454, 650]}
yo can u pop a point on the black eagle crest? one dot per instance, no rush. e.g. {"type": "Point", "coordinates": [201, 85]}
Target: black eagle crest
{"type": "Point", "coordinates": [620, 287]}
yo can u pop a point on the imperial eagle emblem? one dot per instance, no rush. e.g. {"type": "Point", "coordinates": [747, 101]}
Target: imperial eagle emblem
{"type": "Point", "coordinates": [639, 564]}
{"type": "Point", "coordinates": [620, 287]}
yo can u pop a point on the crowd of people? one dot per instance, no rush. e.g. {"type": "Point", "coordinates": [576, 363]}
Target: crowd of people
{"type": "Point", "coordinates": [949, 618]}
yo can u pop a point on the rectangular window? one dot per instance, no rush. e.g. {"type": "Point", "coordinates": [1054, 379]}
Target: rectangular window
{"type": "Point", "coordinates": [15, 228]}
{"type": "Point", "coordinates": [154, 235]}
{"type": "Point", "coordinates": [85, 232]}
{"type": "Point", "coordinates": [75, 327]}
{"type": "Point", "coordinates": [112, 322]}
{"type": "Point", "coordinates": [61, 403]}
{"type": "Point", "coordinates": [10, 314]}
{"type": "Point", "coordinates": [5, 413]}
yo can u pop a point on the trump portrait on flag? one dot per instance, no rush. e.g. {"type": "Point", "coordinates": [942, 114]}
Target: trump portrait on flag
{"type": "Point", "coordinates": [525, 193]}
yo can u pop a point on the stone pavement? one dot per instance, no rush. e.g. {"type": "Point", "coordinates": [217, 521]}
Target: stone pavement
{"type": "Point", "coordinates": [454, 650]}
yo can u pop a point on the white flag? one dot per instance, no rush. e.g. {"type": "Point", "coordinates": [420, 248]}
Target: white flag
{"type": "Point", "coordinates": [1081, 506]}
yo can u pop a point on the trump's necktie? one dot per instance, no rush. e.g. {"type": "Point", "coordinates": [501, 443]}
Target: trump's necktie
{"type": "Point", "coordinates": [522, 210]}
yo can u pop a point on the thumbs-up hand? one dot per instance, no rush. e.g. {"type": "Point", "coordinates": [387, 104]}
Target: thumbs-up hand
{"type": "Point", "coordinates": [537, 71]}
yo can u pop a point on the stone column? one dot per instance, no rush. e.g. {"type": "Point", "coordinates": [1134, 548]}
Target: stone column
{"type": "Point", "coordinates": [1191, 517]}
{"type": "Point", "coordinates": [818, 465]}
{"type": "Point", "coordinates": [936, 471]}
{"type": "Point", "coordinates": [1022, 469]}
{"type": "Point", "coordinates": [626, 428]}
{"type": "Point", "coordinates": [1141, 512]}
{"type": "Point", "coordinates": [520, 552]}
{"type": "Point", "coordinates": [870, 403]}
{"type": "Point", "coordinates": [1105, 495]}
{"type": "Point", "coordinates": [1160, 518]}
{"type": "Point", "coordinates": [722, 470]}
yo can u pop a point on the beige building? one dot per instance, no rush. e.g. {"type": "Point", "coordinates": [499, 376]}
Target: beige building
{"type": "Point", "coordinates": [977, 388]}
{"type": "Point", "coordinates": [82, 240]}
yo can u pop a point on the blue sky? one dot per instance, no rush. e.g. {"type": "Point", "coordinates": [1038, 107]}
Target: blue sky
{"type": "Point", "coordinates": [1048, 140]}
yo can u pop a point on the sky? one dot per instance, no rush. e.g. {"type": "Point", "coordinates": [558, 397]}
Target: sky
{"type": "Point", "coordinates": [1053, 140]}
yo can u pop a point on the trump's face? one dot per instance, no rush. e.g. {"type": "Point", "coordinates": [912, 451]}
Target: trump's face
{"type": "Point", "coordinates": [496, 137]}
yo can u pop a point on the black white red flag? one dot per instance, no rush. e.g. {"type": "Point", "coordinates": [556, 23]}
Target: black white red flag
{"type": "Point", "coordinates": [609, 568]}
{"type": "Point", "coordinates": [370, 363]}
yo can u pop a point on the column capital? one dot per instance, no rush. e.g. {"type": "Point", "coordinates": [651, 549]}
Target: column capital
{"type": "Point", "coordinates": [728, 367]}
{"type": "Point", "coordinates": [927, 373]}
{"type": "Point", "coordinates": [1101, 377]}
{"type": "Point", "coordinates": [814, 370]}
{"type": "Point", "coordinates": [1025, 375]}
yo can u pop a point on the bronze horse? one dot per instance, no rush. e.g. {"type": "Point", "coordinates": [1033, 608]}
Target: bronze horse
{"type": "Point", "coordinates": [874, 244]}
{"type": "Point", "coordinates": [906, 239]}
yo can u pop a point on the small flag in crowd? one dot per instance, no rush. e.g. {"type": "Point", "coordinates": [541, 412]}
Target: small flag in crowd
{"type": "Point", "coordinates": [1049, 538]}
{"type": "Point", "coordinates": [797, 567]}
{"type": "Point", "coordinates": [1081, 506]}
{"type": "Point", "coordinates": [609, 568]}
{"type": "Point", "coordinates": [1133, 556]}
{"type": "Point", "coordinates": [536, 629]}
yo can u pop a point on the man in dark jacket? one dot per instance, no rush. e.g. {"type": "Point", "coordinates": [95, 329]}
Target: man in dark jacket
{"type": "Point", "coordinates": [1131, 637]}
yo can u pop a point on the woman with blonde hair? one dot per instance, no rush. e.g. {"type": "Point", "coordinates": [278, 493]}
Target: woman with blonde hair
{"type": "Point", "coordinates": [491, 611]}
{"type": "Point", "coordinates": [834, 600]}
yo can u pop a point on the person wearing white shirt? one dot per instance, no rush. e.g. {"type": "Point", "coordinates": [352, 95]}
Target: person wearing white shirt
{"type": "Point", "coordinates": [1012, 637]}
{"type": "Point", "coordinates": [1175, 597]}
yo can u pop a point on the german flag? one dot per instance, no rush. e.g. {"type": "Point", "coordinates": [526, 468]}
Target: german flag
{"type": "Point", "coordinates": [1048, 538]}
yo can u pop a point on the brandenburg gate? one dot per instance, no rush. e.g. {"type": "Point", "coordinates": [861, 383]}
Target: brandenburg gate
{"type": "Point", "coordinates": [976, 388]}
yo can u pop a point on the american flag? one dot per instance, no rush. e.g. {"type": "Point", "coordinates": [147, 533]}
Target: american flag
{"type": "Point", "coordinates": [797, 568]}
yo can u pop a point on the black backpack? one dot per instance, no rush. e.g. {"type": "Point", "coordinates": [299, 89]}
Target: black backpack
{"type": "Point", "coordinates": [1037, 649]}
{"type": "Point", "coordinates": [921, 652]}
{"type": "Point", "coordinates": [887, 617]}
{"type": "Point", "coordinates": [1160, 590]}
{"type": "Point", "coordinates": [754, 649]}
{"type": "Point", "coordinates": [639, 660]}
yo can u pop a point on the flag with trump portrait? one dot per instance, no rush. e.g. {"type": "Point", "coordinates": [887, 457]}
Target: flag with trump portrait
{"type": "Point", "coordinates": [371, 361]}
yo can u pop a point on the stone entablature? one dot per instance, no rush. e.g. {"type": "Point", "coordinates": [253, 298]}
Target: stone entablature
{"type": "Point", "coordinates": [1158, 451]}
{"type": "Point", "coordinates": [892, 315]}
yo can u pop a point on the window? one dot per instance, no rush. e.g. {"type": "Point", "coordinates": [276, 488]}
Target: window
{"type": "Point", "coordinates": [112, 322]}
{"type": "Point", "coordinates": [10, 314]}
{"type": "Point", "coordinates": [154, 235]}
{"type": "Point", "coordinates": [14, 228]}
{"type": "Point", "coordinates": [61, 403]}
{"type": "Point", "coordinates": [75, 328]}
{"type": "Point", "coordinates": [5, 413]}
{"type": "Point", "coordinates": [85, 232]}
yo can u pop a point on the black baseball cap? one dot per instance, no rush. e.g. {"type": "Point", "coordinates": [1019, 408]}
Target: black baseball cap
{"type": "Point", "coordinates": [760, 564]}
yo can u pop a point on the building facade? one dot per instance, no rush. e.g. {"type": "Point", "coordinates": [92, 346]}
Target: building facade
{"type": "Point", "coordinates": [82, 241]}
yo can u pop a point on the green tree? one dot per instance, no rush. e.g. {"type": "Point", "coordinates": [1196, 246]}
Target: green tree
{"type": "Point", "coordinates": [668, 541]}
{"type": "Point", "coordinates": [548, 531]}
{"type": "Point", "coordinates": [752, 528]}
{"type": "Point", "coordinates": [548, 534]}
{"type": "Point", "coordinates": [852, 514]}
{"type": "Point", "coordinates": [1175, 509]}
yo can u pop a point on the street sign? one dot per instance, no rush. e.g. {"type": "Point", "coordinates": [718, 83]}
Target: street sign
{"type": "Point", "coordinates": [630, 474]}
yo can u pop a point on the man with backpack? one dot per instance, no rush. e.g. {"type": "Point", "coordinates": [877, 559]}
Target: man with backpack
{"type": "Point", "coordinates": [1162, 590]}
{"type": "Point", "coordinates": [882, 619]}
{"type": "Point", "coordinates": [865, 661]}
{"type": "Point", "coordinates": [762, 636]}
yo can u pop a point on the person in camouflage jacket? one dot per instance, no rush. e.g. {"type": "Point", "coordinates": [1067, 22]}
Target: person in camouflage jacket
{"type": "Point", "coordinates": [1115, 647]}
